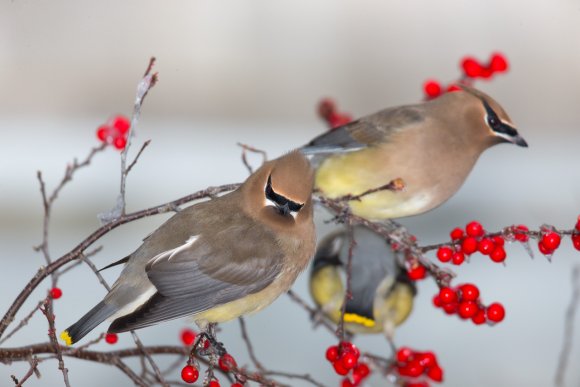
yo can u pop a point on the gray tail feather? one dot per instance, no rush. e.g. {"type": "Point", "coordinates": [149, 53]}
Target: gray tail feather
{"type": "Point", "coordinates": [88, 322]}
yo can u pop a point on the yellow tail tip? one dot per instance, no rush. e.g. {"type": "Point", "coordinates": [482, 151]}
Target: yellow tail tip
{"type": "Point", "coordinates": [357, 319]}
{"type": "Point", "coordinates": [66, 338]}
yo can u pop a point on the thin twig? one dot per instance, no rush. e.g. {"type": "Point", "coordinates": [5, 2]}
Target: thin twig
{"type": "Point", "coordinates": [33, 365]}
{"type": "Point", "coordinates": [568, 328]}
{"type": "Point", "coordinates": [394, 185]}
{"type": "Point", "coordinates": [312, 311]}
{"type": "Point", "coordinates": [305, 377]}
{"type": "Point", "coordinates": [249, 345]}
{"type": "Point", "coordinates": [23, 322]}
{"type": "Point", "coordinates": [248, 148]}
{"type": "Point", "coordinates": [47, 310]}
{"type": "Point", "coordinates": [145, 145]}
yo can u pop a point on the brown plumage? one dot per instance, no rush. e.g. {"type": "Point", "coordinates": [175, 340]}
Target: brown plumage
{"type": "Point", "coordinates": [218, 259]}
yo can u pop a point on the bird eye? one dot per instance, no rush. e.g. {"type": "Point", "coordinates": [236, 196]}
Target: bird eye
{"type": "Point", "coordinates": [493, 122]}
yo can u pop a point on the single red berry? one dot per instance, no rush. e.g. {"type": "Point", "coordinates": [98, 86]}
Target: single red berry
{"type": "Point", "coordinates": [486, 72]}
{"type": "Point", "coordinates": [404, 354]}
{"type": "Point", "coordinates": [471, 67]}
{"type": "Point", "coordinates": [479, 317]}
{"type": "Point", "coordinates": [520, 233]}
{"type": "Point", "coordinates": [339, 368]}
{"type": "Point", "coordinates": [495, 312]}
{"type": "Point", "coordinates": [416, 384]}
{"type": "Point", "coordinates": [453, 87]}
{"type": "Point", "coordinates": [348, 347]}
{"type": "Point", "coordinates": [362, 369]}
{"type": "Point", "coordinates": [332, 353]}
{"type": "Point", "coordinates": [111, 338]}
{"type": "Point", "coordinates": [469, 292]}
{"type": "Point", "coordinates": [444, 254]}
{"type": "Point", "coordinates": [188, 336]}
{"type": "Point", "coordinates": [498, 254]}
{"type": "Point", "coordinates": [544, 250]}
{"type": "Point", "coordinates": [469, 245]}
{"type": "Point", "coordinates": [103, 132]}
{"type": "Point", "coordinates": [122, 124]}
{"type": "Point", "coordinates": [447, 295]}
{"type": "Point", "coordinates": [55, 293]}
{"type": "Point", "coordinates": [189, 374]}
{"type": "Point", "coordinates": [551, 240]}
{"type": "Point", "coordinates": [498, 63]}
{"type": "Point", "coordinates": [346, 383]}
{"type": "Point", "coordinates": [417, 272]}
{"type": "Point", "coordinates": [485, 246]}
{"type": "Point", "coordinates": [577, 227]}
{"type": "Point", "coordinates": [227, 362]}
{"type": "Point", "coordinates": [435, 373]}
{"type": "Point", "coordinates": [427, 359]}
{"type": "Point", "coordinates": [432, 88]}
{"type": "Point", "coordinates": [237, 385]}
{"type": "Point", "coordinates": [474, 229]}
{"type": "Point", "coordinates": [457, 258]}
{"type": "Point", "coordinates": [450, 308]}
{"type": "Point", "coordinates": [349, 360]}
{"type": "Point", "coordinates": [498, 240]}
{"type": "Point", "coordinates": [437, 301]}
{"type": "Point", "coordinates": [326, 107]}
{"type": "Point", "coordinates": [120, 142]}
{"type": "Point", "coordinates": [576, 241]}
{"type": "Point", "coordinates": [414, 369]}
{"type": "Point", "coordinates": [456, 234]}
{"type": "Point", "coordinates": [214, 383]}
{"type": "Point", "coordinates": [467, 309]}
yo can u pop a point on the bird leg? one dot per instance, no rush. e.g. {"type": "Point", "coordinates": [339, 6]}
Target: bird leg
{"type": "Point", "coordinates": [213, 347]}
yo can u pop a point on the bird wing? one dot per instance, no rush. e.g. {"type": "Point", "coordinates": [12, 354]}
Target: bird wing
{"type": "Point", "coordinates": [207, 271]}
{"type": "Point", "coordinates": [365, 131]}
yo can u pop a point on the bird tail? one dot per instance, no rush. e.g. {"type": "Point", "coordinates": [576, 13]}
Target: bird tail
{"type": "Point", "coordinates": [87, 323]}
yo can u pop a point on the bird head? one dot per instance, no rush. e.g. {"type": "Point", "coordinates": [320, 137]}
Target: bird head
{"type": "Point", "coordinates": [280, 192]}
{"type": "Point", "coordinates": [493, 118]}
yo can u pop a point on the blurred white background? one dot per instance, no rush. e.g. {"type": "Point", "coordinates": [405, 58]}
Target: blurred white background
{"type": "Point", "coordinates": [253, 72]}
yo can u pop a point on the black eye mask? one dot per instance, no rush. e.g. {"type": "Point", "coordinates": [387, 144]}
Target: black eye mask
{"type": "Point", "coordinates": [284, 204]}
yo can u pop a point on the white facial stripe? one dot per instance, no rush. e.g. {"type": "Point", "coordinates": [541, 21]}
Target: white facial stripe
{"type": "Point", "coordinates": [505, 136]}
{"type": "Point", "coordinates": [171, 253]}
{"type": "Point", "coordinates": [270, 203]}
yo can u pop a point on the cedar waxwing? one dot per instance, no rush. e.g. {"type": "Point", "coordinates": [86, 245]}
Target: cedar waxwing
{"type": "Point", "coordinates": [218, 259]}
{"type": "Point", "coordinates": [431, 146]}
{"type": "Point", "coordinates": [382, 293]}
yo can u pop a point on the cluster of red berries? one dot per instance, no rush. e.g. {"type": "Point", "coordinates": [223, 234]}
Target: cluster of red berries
{"type": "Point", "coordinates": [469, 241]}
{"type": "Point", "coordinates": [328, 112]}
{"type": "Point", "coordinates": [190, 373]}
{"type": "Point", "coordinates": [55, 293]}
{"type": "Point", "coordinates": [115, 132]}
{"type": "Point", "coordinates": [549, 242]}
{"type": "Point", "coordinates": [576, 235]}
{"type": "Point", "coordinates": [414, 364]}
{"type": "Point", "coordinates": [464, 301]}
{"type": "Point", "coordinates": [345, 358]}
{"type": "Point", "coordinates": [472, 69]}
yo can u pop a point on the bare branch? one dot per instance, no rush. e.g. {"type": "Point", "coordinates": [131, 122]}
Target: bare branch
{"type": "Point", "coordinates": [249, 345]}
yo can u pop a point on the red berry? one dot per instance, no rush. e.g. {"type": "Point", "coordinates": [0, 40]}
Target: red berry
{"type": "Point", "coordinates": [122, 124]}
{"type": "Point", "coordinates": [471, 67]}
{"type": "Point", "coordinates": [435, 373]}
{"type": "Point", "coordinates": [520, 233]}
{"type": "Point", "coordinates": [457, 258]}
{"type": "Point", "coordinates": [346, 383]}
{"type": "Point", "coordinates": [577, 227]}
{"type": "Point", "coordinates": [187, 336]}
{"type": "Point", "coordinates": [485, 246]}
{"type": "Point", "coordinates": [479, 317]}
{"type": "Point", "coordinates": [339, 368]}
{"type": "Point", "coordinates": [416, 384]}
{"type": "Point", "coordinates": [544, 250]}
{"type": "Point", "coordinates": [214, 383]}
{"type": "Point", "coordinates": [189, 374]}
{"type": "Point", "coordinates": [498, 63]}
{"type": "Point", "coordinates": [414, 369]}
{"type": "Point", "coordinates": [348, 347]}
{"type": "Point", "coordinates": [237, 385]}
{"type": "Point", "coordinates": [451, 308]}
{"type": "Point", "coordinates": [432, 88]}
{"type": "Point", "coordinates": [437, 301]}
{"type": "Point", "coordinates": [498, 240]}
{"type": "Point", "coordinates": [332, 353]}
{"type": "Point", "coordinates": [103, 132]}
{"type": "Point", "coordinates": [469, 292]}
{"type": "Point", "coordinates": [551, 240]}
{"type": "Point", "coordinates": [444, 254]}
{"type": "Point", "coordinates": [111, 338]}
{"type": "Point", "coordinates": [469, 245]}
{"type": "Point", "coordinates": [349, 360]}
{"type": "Point", "coordinates": [467, 309]}
{"type": "Point", "coordinates": [498, 254]}
{"type": "Point", "coordinates": [55, 293]}
{"type": "Point", "coordinates": [495, 312]}
{"type": "Point", "coordinates": [404, 354]}
{"type": "Point", "coordinates": [456, 233]}
{"type": "Point", "coordinates": [486, 72]}
{"type": "Point", "coordinates": [447, 295]}
{"type": "Point", "coordinates": [120, 142]}
{"type": "Point", "coordinates": [362, 369]}
{"type": "Point", "coordinates": [428, 359]}
{"type": "Point", "coordinates": [474, 229]}
{"type": "Point", "coordinates": [453, 87]}
{"type": "Point", "coordinates": [417, 272]}
{"type": "Point", "coordinates": [227, 362]}
{"type": "Point", "coordinates": [576, 241]}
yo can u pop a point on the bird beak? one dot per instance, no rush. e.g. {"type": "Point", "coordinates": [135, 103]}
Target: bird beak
{"type": "Point", "coordinates": [285, 209]}
{"type": "Point", "coordinates": [519, 141]}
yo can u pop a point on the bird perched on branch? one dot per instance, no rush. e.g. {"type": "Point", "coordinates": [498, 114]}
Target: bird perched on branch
{"type": "Point", "coordinates": [382, 293]}
{"type": "Point", "coordinates": [431, 146]}
{"type": "Point", "coordinates": [218, 259]}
